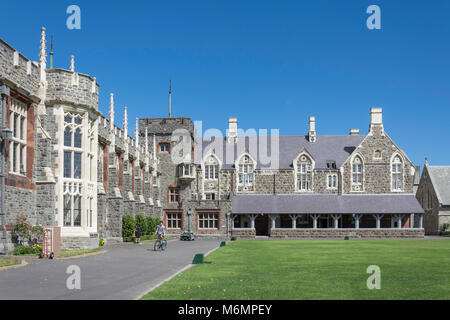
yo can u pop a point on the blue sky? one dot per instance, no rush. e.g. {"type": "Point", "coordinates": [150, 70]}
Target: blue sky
{"type": "Point", "coordinates": [271, 64]}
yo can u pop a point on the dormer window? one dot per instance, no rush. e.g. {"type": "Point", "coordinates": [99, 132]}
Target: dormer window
{"type": "Point", "coordinates": [397, 174]}
{"type": "Point", "coordinates": [304, 170]}
{"type": "Point", "coordinates": [211, 168]}
{"type": "Point", "coordinates": [246, 168]}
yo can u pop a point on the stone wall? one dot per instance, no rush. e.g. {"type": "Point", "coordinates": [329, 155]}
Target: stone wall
{"type": "Point", "coordinates": [244, 233]}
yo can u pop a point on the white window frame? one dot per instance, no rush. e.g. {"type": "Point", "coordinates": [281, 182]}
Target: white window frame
{"type": "Point", "coordinates": [246, 171]}
{"type": "Point", "coordinates": [332, 181]}
{"type": "Point", "coordinates": [357, 177]}
{"type": "Point", "coordinates": [397, 169]}
{"type": "Point", "coordinates": [18, 142]}
{"type": "Point", "coordinates": [304, 173]}
{"type": "Point", "coordinates": [210, 195]}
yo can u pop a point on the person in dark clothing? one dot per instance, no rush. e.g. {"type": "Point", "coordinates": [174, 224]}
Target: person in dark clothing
{"type": "Point", "coordinates": [137, 233]}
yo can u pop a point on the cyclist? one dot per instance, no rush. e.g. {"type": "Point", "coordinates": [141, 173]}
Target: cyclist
{"type": "Point", "coordinates": [161, 231]}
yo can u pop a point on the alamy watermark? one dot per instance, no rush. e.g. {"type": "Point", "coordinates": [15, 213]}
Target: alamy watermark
{"type": "Point", "coordinates": [74, 20]}
{"type": "Point", "coordinates": [374, 281]}
{"type": "Point", "coordinates": [74, 280]}
{"type": "Point", "coordinates": [374, 20]}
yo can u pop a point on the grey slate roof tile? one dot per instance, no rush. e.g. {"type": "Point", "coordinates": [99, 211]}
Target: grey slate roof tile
{"type": "Point", "coordinates": [325, 148]}
{"type": "Point", "coordinates": [440, 176]}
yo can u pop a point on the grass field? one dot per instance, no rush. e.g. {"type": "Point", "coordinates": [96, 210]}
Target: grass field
{"type": "Point", "coordinates": [320, 269]}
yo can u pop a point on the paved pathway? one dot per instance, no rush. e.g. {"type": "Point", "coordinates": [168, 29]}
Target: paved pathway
{"type": "Point", "coordinates": [126, 271]}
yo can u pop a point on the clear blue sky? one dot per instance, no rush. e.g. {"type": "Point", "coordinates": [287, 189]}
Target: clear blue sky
{"type": "Point", "coordinates": [271, 64]}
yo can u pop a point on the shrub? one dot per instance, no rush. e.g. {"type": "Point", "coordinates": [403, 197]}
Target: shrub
{"type": "Point", "coordinates": [151, 224]}
{"type": "Point", "coordinates": [21, 250]}
{"type": "Point", "coordinates": [101, 242]}
{"type": "Point", "coordinates": [445, 227]}
{"type": "Point", "coordinates": [128, 225]}
{"type": "Point", "coordinates": [140, 220]}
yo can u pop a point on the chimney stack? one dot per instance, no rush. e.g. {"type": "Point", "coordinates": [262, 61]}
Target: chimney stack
{"type": "Point", "coordinates": [312, 129]}
{"type": "Point", "coordinates": [354, 132]}
{"type": "Point", "coordinates": [376, 119]}
{"type": "Point", "coordinates": [232, 130]}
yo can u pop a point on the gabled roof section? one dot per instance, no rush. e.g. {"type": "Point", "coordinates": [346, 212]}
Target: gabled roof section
{"type": "Point", "coordinates": [325, 148]}
{"type": "Point", "coordinates": [440, 177]}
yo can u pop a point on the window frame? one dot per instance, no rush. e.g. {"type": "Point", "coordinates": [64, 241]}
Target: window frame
{"type": "Point", "coordinates": [212, 218]}
{"type": "Point", "coordinates": [18, 124]}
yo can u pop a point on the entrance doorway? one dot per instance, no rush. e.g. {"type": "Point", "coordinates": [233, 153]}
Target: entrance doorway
{"type": "Point", "coordinates": [262, 225]}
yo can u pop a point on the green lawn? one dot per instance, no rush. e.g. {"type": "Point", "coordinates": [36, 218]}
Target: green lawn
{"type": "Point", "coordinates": [70, 253]}
{"type": "Point", "coordinates": [320, 269]}
{"type": "Point", "coordinates": [9, 262]}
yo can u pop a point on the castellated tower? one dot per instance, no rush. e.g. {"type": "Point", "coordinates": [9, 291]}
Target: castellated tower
{"type": "Point", "coordinates": [174, 168]}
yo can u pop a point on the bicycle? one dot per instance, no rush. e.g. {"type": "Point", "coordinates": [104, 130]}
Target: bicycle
{"type": "Point", "coordinates": [160, 244]}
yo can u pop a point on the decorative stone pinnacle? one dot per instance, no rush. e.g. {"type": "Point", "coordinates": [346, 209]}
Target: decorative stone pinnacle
{"type": "Point", "coordinates": [111, 109]}
{"type": "Point", "coordinates": [125, 120]}
{"type": "Point", "coordinates": [43, 54]}
{"type": "Point", "coordinates": [72, 63]}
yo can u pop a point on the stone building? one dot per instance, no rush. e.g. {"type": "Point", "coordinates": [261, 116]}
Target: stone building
{"type": "Point", "coordinates": [67, 165]}
{"type": "Point", "coordinates": [433, 194]}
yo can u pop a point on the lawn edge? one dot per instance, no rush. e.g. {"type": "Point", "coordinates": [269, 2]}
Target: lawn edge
{"type": "Point", "coordinates": [84, 255]}
{"type": "Point", "coordinates": [15, 266]}
{"type": "Point", "coordinates": [173, 275]}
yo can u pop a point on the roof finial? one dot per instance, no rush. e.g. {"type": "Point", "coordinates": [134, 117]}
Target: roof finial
{"type": "Point", "coordinates": [170, 97]}
{"type": "Point", "coordinates": [426, 161]}
{"type": "Point", "coordinates": [72, 63]}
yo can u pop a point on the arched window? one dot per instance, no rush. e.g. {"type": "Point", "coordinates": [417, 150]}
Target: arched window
{"type": "Point", "coordinates": [397, 173]}
{"type": "Point", "coordinates": [246, 168]}
{"type": "Point", "coordinates": [211, 168]}
{"type": "Point", "coordinates": [304, 173]}
{"type": "Point", "coordinates": [357, 173]}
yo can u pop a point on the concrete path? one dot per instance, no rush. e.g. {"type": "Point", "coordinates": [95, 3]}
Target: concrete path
{"type": "Point", "coordinates": [126, 271]}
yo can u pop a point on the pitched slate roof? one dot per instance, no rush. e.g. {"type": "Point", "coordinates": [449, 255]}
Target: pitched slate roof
{"type": "Point", "coordinates": [325, 204]}
{"type": "Point", "coordinates": [334, 147]}
{"type": "Point", "coordinates": [440, 177]}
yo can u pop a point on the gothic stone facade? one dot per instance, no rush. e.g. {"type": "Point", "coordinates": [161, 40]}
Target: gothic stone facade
{"type": "Point", "coordinates": [67, 165]}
